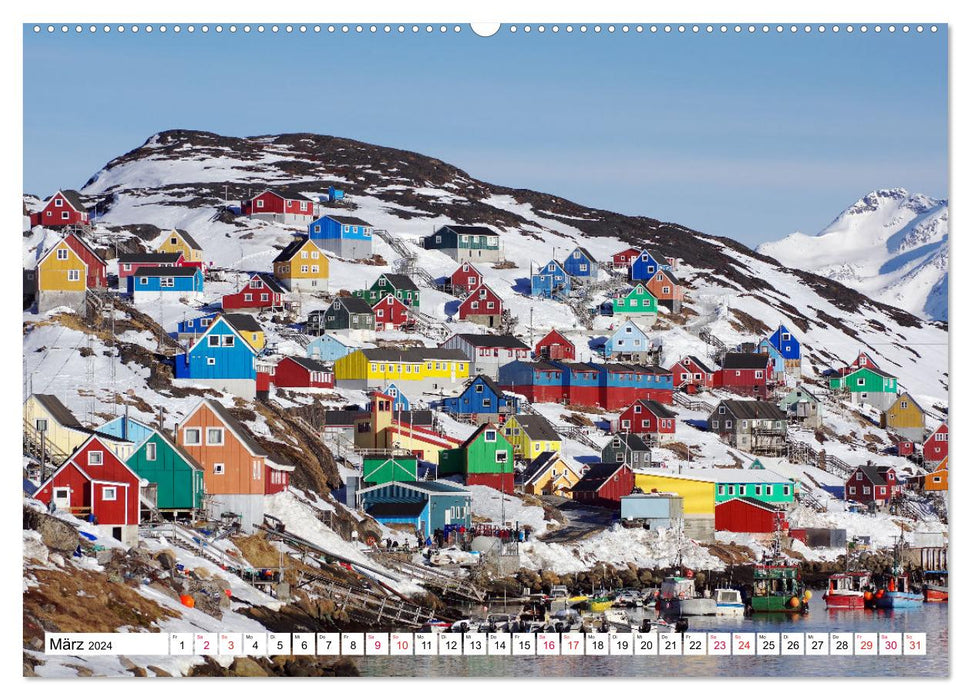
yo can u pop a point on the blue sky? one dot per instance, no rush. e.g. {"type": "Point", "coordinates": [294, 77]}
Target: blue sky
{"type": "Point", "coordinates": [747, 136]}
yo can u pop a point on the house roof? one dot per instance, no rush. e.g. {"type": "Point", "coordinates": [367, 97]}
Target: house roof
{"type": "Point", "coordinates": [348, 220]}
{"type": "Point", "coordinates": [73, 197]}
{"type": "Point", "coordinates": [188, 239]}
{"type": "Point", "coordinates": [555, 334]}
{"type": "Point", "coordinates": [632, 441]}
{"type": "Point", "coordinates": [544, 461]}
{"type": "Point", "coordinates": [355, 305]}
{"type": "Point", "coordinates": [718, 475]}
{"type": "Point", "coordinates": [754, 502]}
{"type": "Point", "coordinates": [413, 354]}
{"type": "Point", "coordinates": [597, 474]}
{"type": "Point", "coordinates": [270, 281]}
{"type": "Point", "coordinates": [243, 322]}
{"type": "Point", "coordinates": [805, 391]}
{"type": "Point", "coordinates": [478, 431]}
{"type": "Point", "coordinates": [536, 427]}
{"type": "Point", "coordinates": [161, 258]}
{"type": "Point", "coordinates": [911, 399]}
{"type": "Point", "coordinates": [670, 275]}
{"type": "Point", "coordinates": [744, 360]}
{"type": "Point", "coordinates": [872, 473]}
{"type": "Point", "coordinates": [470, 230]}
{"type": "Point", "coordinates": [336, 417]}
{"type": "Point", "coordinates": [292, 248]}
{"type": "Point", "coordinates": [701, 365]}
{"type": "Point", "coordinates": [488, 381]}
{"type": "Point", "coordinates": [407, 509]}
{"type": "Point", "coordinates": [429, 487]}
{"type": "Point", "coordinates": [878, 372]}
{"type": "Point", "coordinates": [58, 411]}
{"type": "Point", "coordinates": [586, 253]}
{"type": "Point", "coordinates": [308, 363]}
{"type": "Point", "coordinates": [399, 281]}
{"type": "Point", "coordinates": [488, 340]}
{"type": "Point", "coordinates": [167, 271]}
{"type": "Point", "coordinates": [752, 410]}
{"type": "Point", "coordinates": [285, 193]}
{"type": "Point", "coordinates": [659, 410]}
{"type": "Point", "coordinates": [237, 428]}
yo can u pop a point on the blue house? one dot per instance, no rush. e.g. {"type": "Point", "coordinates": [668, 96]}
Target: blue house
{"type": "Point", "coordinates": [483, 398]}
{"type": "Point", "coordinates": [400, 401]}
{"type": "Point", "coordinates": [127, 429]}
{"type": "Point", "coordinates": [344, 236]}
{"type": "Point", "coordinates": [328, 348]}
{"type": "Point", "coordinates": [149, 282]}
{"type": "Point", "coordinates": [581, 264]}
{"type": "Point", "coordinates": [778, 362]}
{"type": "Point", "coordinates": [425, 506]}
{"type": "Point", "coordinates": [627, 341]}
{"type": "Point", "coordinates": [550, 282]}
{"type": "Point", "coordinates": [786, 343]}
{"type": "Point", "coordinates": [196, 326]}
{"type": "Point", "coordinates": [645, 266]}
{"type": "Point", "coordinates": [221, 353]}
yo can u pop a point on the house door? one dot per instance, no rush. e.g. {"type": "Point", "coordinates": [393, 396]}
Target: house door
{"type": "Point", "coordinates": [116, 533]}
{"type": "Point", "coordinates": [62, 498]}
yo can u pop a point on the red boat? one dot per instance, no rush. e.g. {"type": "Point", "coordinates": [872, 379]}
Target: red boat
{"type": "Point", "coordinates": [935, 586]}
{"type": "Point", "coordinates": [848, 591]}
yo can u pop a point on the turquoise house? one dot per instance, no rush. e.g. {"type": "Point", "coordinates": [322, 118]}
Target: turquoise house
{"type": "Point", "coordinates": [328, 348]}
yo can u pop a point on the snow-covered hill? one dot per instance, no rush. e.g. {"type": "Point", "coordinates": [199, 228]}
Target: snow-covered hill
{"type": "Point", "coordinates": [890, 245]}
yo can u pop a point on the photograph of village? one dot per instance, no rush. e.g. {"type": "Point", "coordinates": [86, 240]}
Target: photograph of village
{"type": "Point", "coordinates": [303, 370]}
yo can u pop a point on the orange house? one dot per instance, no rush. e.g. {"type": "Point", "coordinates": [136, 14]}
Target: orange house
{"type": "Point", "coordinates": [937, 479]}
{"type": "Point", "coordinates": [666, 289]}
{"type": "Point", "coordinates": [233, 462]}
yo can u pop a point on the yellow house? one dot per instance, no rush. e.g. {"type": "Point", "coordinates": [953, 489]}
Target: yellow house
{"type": "Point", "coordinates": [531, 435]}
{"type": "Point", "coordinates": [302, 266]}
{"type": "Point", "coordinates": [381, 430]}
{"type": "Point", "coordinates": [549, 474]}
{"type": "Point", "coordinates": [179, 241]}
{"type": "Point", "coordinates": [62, 270]}
{"type": "Point", "coordinates": [248, 328]}
{"type": "Point", "coordinates": [48, 421]}
{"type": "Point", "coordinates": [420, 369]}
{"type": "Point", "coordinates": [698, 496]}
{"type": "Point", "coordinates": [904, 417]}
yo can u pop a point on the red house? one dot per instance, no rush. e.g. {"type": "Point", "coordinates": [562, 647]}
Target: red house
{"type": "Point", "coordinates": [97, 268]}
{"type": "Point", "coordinates": [935, 446]}
{"type": "Point", "coordinates": [555, 346]}
{"type": "Point", "coordinates": [624, 258]}
{"type": "Point", "coordinates": [261, 292]}
{"type": "Point", "coordinates": [95, 485]}
{"type": "Point", "coordinates": [390, 314]}
{"type": "Point", "coordinates": [906, 448]}
{"type": "Point", "coordinates": [862, 360]}
{"type": "Point", "coordinates": [692, 372]}
{"type": "Point", "coordinates": [128, 263]}
{"type": "Point", "coordinates": [63, 208]}
{"type": "Point", "coordinates": [749, 515]}
{"type": "Point", "coordinates": [277, 477]}
{"type": "Point", "coordinates": [302, 373]}
{"type": "Point", "coordinates": [604, 484]}
{"type": "Point", "coordinates": [279, 205]}
{"type": "Point", "coordinates": [873, 484]}
{"type": "Point", "coordinates": [646, 417]}
{"type": "Point", "coordinates": [465, 279]}
{"type": "Point", "coordinates": [746, 374]}
{"type": "Point", "coordinates": [482, 306]}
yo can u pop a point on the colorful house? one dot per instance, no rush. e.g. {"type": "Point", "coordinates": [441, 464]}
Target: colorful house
{"type": "Point", "coordinates": [425, 506]}
{"type": "Point", "coordinates": [745, 374]}
{"type": "Point", "coordinates": [484, 459]}
{"type": "Point", "coordinates": [757, 427]}
{"type": "Point", "coordinates": [935, 448]}
{"type": "Point", "coordinates": [399, 286]}
{"type": "Point", "coordinates": [465, 278]}
{"type": "Point", "coordinates": [463, 243]}
{"type": "Point", "coordinates": [179, 241]}
{"type": "Point", "coordinates": [260, 292]}
{"type": "Point", "coordinates": [281, 206]}
{"type": "Point", "coordinates": [604, 484]}
{"type": "Point", "coordinates": [645, 266]}
{"type": "Point", "coordinates": [61, 279]}
{"type": "Point", "coordinates": [245, 324]}
{"type": "Point", "coordinates": [345, 236]}
{"type": "Point", "coordinates": [178, 477]}
{"type": "Point", "coordinates": [621, 384]}
{"type": "Point", "coordinates": [555, 346]}
{"type": "Point", "coordinates": [539, 382]}
{"type": "Point", "coordinates": [95, 485]}
{"type": "Point", "coordinates": [905, 418]}
{"type": "Point", "coordinates": [867, 385]}
{"type": "Point", "coordinates": [624, 259]}
{"type": "Point", "coordinates": [629, 448]}
{"type": "Point", "coordinates": [550, 282]}
{"type": "Point", "coordinates": [399, 401]}
{"type": "Point", "coordinates": [416, 369]}
{"type": "Point", "coordinates": [937, 479]}
{"type": "Point", "coordinates": [482, 400]}
{"type": "Point", "coordinates": [531, 435]}
{"type": "Point", "coordinates": [791, 350]}
{"type": "Point", "coordinates": [63, 208]}
{"type": "Point", "coordinates": [778, 364]}
{"type": "Point", "coordinates": [487, 352]}
{"type": "Point", "coordinates": [871, 484]}
{"type": "Point", "coordinates": [645, 417]}
{"type": "Point", "coordinates": [384, 428]}
{"type": "Point", "coordinates": [302, 373]}
{"type": "Point", "coordinates": [302, 266]}
{"type": "Point", "coordinates": [628, 343]}
{"type": "Point", "coordinates": [666, 289]}
{"type": "Point", "coordinates": [637, 302]}
{"type": "Point", "coordinates": [347, 313]}
{"type": "Point", "coordinates": [97, 268]}
{"type": "Point", "coordinates": [221, 358]}
{"type": "Point", "coordinates": [749, 515]}
{"type": "Point", "coordinates": [689, 372]}
{"type": "Point", "coordinates": [385, 467]}
{"type": "Point", "coordinates": [390, 314]}
{"type": "Point", "coordinates": [329, 347]}
{"type": "Point", "coordinates": [127, 428]}
{"type": "Point", "coordinates": [482, 306]}
{"type": "Point", "coordinates": [149, 283]}
{"type": "Point", "coordinates": [48, 423]}
{"type": "Point", "coordinates": [581, 264]}
{"type": "Point", "coordinates": [802, 408]}
{"type": "Point", "coordinates": [233, 461]}
{"type": "Point", "coordinates": [548, 474]}
{"type": "Point", "coordinates": [129, 263]}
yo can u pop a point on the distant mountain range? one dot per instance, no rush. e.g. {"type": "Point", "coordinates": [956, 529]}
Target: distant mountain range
{"type": "Point", "coordinates": [890, 245]}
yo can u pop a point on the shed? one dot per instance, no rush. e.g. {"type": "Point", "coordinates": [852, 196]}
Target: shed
{"type": "Point", "coordinates": [748, 515]}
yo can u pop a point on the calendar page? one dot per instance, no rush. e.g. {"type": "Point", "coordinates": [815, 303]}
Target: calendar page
{"type": "Point", "coordinates": [546, 349]}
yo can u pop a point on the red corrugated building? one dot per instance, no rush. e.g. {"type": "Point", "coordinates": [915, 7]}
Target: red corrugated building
{"type": "Point", "coordinates": [746, 374]}
{"type": "Point", "coordinates": [646, 417]}
{"type": "Point", "coordinates": [604, 484]}
{"type": "Point", "coordinates": [390, 314]}
{"type": "Point", "coordinates": [935, 446]}
{"type": "Point", "coordinates": [262, 291]}
{"type": "Point", "coordinates": [748, 515]}
{"type": "Point", "coordinates": [624, 258]}
{"type": "Point", "coordinates": [465, 279]}
{"type": "Point", "coordinates": [97, 268]}
{"type": "Point", "coordinates": [555, 346]}
{"type": "Point", "coordinates": [690, 371]}
{"type": "Point", "coordinates": [289, 206]}
{"type": "Point", "coordinates": [302, 373]}
{"type": "Point", "coordinates": [63, 208]}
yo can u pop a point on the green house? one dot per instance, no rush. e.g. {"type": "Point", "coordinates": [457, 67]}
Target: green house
{"type": "Point", "coordinates": [389, 284]}
{"type": "Point", "coordinates": [383, 468]}
{"type": "Point", "coordinates": [485, 459]}
{"type": "Point", "coordinates": [868, 385]}
{"type": "Point", "coordinates": [637, 301]}
{"type": "Point", "coordinates": [759, 484]}
{"type": "Point", "coordinates": [176, 473]}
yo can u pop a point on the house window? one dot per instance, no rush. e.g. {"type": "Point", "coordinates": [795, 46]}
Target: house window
{"type": "Point", "coordinates": [758, 490]}
{"type": "Point", "coordinates": [167, 282]}
{"type": "Point", "coordinates": [96, 458]}
{"type": "Point", "coordinates": [714, 425]}
{"type": "Point", "coordinates": [721, 409]}
{"type": "Point", "coordinates": [73, 275]}
{"type": "Point", "coordinates": [785, 336]}
{"type": "Point", "coordinates": [728, 424]}
{"type": "Point", "coordinates": [61, 254]}
{"type": "Point", "coordinates": [315, 269]}
{"type": "Point", "coordinates": [852, 490]}
{"type": "Point", "coordinates": [264, 297]}
{"type": "Point", "coordinates": [257, 469]}
{"type": "Point", "coordinates": [502, 456]}
{"type": "Point", "coordinates": [259, 203]}
{"type": "Point", "coordinates": [211, 361]}
{"type": "Point", "coordinates": [860, 381]}
{"type": "Point", "coordinates": [758, 374]}
{"type": "Point", "coordinates": [229, 341]}
{"type": "Point", "coordinates": [247, 297]}
{"type": "Point", "coordinates": [41, 425]}
{"type": "Point", "coordinates": [65, 215]}
{"type": "Point", "coordinates": [303, 268]}
{"type": "Point", "coordinates": [214, 436]}
{"type": "Point", "coordinates": [903, 404]}
{"type": "Point", "coordinates": [109, 493]}
{"type": "Point", "coordinates": [786, 489]}
{"type": "Point", "coordinates": [768, 489]}
{"type": "Point", "coordinates": [192, 436]}
{"type": "Point", "coordinates": [218, 468]}
{"type": "Point", "coordinates": [859, 476]}
{"type": "Point", "coordinates": [150, 451]}
{"type": "Point", "coordinates": [866, 490]}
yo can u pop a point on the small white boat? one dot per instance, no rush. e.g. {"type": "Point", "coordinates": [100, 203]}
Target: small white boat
{"type": "Point", "coordinates": [728, 601]}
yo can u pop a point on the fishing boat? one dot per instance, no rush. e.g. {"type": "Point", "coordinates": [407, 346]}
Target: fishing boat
{"type": "Point", "coordinates": [777, 588]}
{"type": "Point", "coordinates": [600, 604]}
{"type": "Point", "coordinates": [935, 586]}
{"type": "Point", "coordinates": [848, 591]}
{"type": "Point", "coordinates": [896, 593]}
{"type": "Point", "coordinates": [679, 598]}
{"type": "Point", "coordinates": [728, 601]}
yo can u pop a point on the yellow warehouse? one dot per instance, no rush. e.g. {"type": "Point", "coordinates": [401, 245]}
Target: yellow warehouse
{"type": "Point", "coordinates": [699, 496]}
{"type": "Point", "coordinates": [418, 369]}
